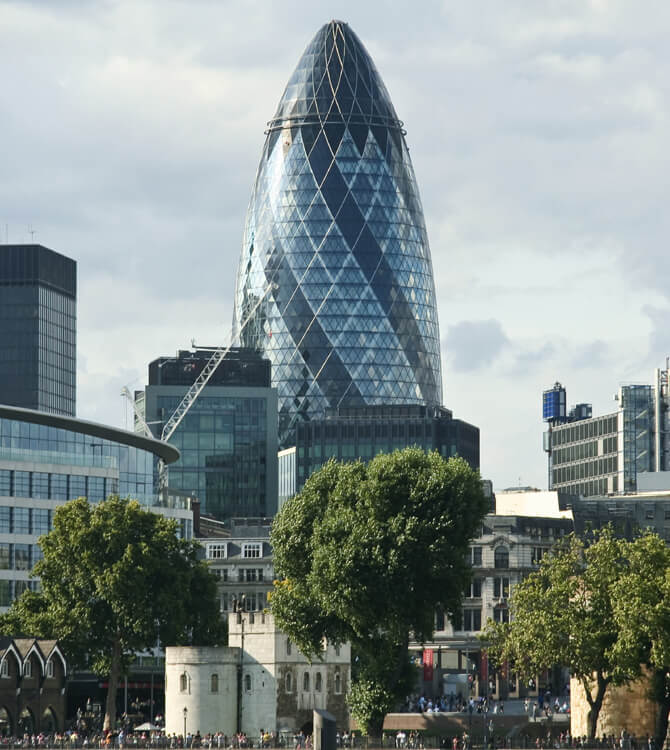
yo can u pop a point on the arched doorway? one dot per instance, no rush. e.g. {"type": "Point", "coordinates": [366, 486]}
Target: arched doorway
{"type": "Point", "coordinates": [6, 727]}
{"type": "Point", "coordinates": [26, 723]}
{"type": "Point", "coordinates": [49, 723]}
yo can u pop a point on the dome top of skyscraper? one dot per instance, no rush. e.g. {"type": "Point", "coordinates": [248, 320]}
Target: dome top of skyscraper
{"type": "Point", "coordinates": [335, 80]}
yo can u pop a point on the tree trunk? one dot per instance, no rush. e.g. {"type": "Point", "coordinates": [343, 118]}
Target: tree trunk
{"type": "Point", "coordinates": [595, 704]}
{"type": "Point", "coordinates": [113, 684]}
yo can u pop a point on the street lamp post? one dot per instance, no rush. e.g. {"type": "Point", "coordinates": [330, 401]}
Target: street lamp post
{"type": "Point", "coordinates": [185, 715]}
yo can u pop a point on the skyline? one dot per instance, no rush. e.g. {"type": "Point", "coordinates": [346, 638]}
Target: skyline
{"type": "Point", "coordinates": [537, 137]}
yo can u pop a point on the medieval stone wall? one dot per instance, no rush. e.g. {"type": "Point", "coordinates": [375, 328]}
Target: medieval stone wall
{"type": "Point", "coordinates": [624, 707]}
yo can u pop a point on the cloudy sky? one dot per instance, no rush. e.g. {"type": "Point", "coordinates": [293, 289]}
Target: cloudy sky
{"type": "Point", "coordinates": [131, 131]}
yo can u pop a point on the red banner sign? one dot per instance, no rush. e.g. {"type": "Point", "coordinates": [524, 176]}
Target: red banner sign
{"type": "Point", "coordinates": [428, 665]}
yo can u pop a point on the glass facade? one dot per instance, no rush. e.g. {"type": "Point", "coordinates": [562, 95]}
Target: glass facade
{"type": "Point", "coordinates": [46, 460]}
{"type": "Point", "coordinates": [352, 434]}
{"type": "Point", "coordinates": [228, 438]}
{"type": "Point", "coordinates": [223, 446]}
{"type": "Point", "coordinates": [38, 290]}
{"type": "Point", "coordinates": [335, 224]}
{"type": "Point", "coordinates": [21, 442]}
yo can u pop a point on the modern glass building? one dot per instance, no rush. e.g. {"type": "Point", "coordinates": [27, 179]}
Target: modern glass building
{"type": "Point", "coordinates": [38, 327]}
{"type": "Point", "coordinates": [335, 226]}
{"type": "Point", "coordinates": [228, 438]}
{"type": "Point", "coordinates": [48, 459]}
{"type": "Point", "coordinates": [348, 434]}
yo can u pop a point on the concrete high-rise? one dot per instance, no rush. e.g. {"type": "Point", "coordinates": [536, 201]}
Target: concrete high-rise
{"type": "Point", "coordinates": [38, 329]}
{"type": "Point", "coordinates": [335, 239]}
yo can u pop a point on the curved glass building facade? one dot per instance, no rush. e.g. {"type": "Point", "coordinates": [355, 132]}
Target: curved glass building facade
{"type": "Point", "coordinates": [335, 232]}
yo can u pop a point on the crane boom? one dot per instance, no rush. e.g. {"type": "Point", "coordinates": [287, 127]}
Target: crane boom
{"type": "Point", "coordinates": [208, 370]}
{"type": "Point", "coordinates": [138, 414]}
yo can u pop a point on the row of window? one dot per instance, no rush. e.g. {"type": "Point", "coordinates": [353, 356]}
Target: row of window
{"type": "Point", "coordinates": [584, 430]}
{"type": "Point", "coordinates": [27, 669]}
{"type": "Point", "coordinates": [24, 520]}
{"type": "Point", "coordinates": [219, 550]}
{"type": "Point", "coordinates": [43, 486]}
{"type": "Point", "coordinates": [214, 681]}
{"type": "Point", "coordinates": [249, 601]}
{"type": "Point", "coordinates": [19, 556]}
{"type": "Point", "coordinates": [586, 469]}
{"type": "Point", "coordinates": [500, 557]}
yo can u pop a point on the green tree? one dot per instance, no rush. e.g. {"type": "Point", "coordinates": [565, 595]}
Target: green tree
{"type": "Point", "coordinates": [564, 614]}
{"type": "Point", "coordinates": [115, 579]}
{"type": "Point", "coordinates": [365, 553]}
{"type": "Point", "coordinates": [642, 615]}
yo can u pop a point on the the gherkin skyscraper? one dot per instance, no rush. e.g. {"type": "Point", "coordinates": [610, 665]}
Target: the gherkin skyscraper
{"type": "Point", "coordinates": [335, 239]}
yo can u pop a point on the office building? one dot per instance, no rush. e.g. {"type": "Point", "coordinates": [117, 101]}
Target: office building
{"type": "Point", "coordinates": [620, 452]}
{"type": "Point", "coordinates": [48, 459]}
{"type": "Point", "coordinates": [228, 438]}
{"type": "Point", "coordinates": [336, 248]}
{"type": "Point", "coordinates": [348, 434]}
{"type": "Point", "coordinates": [38, 327]}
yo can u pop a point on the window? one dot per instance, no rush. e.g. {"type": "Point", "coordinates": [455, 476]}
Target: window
{"type": "Point", "coordinates": [252, 549]}
{"type": "Point", "coordinates": [289, 647]}
{"type": "Point", "coordinates": [4, 668]}
{"type": "Point", "coordinates": [214, 683]}
{"type": "Point", "coordinates": [183, 683]}
{"type": "Point", "coordinates": [500, 588]}
{"type": "Point", "coordinates": [28, 669]}
{"type": "Point", "coordinates": [501, 614]}
{"type": "Point", "coordinates": [22, 556]}
{"type": "Point", "coordinates": [50, 668]}
{"type": "Point", "coordinates": [472, 619]}
{"type": "Point", "coordinates": [5, 556]}
{"type": "Point", "coordinates": [537, 554]}
{"type": "Point", "coordinates": [318, 682]}
{"type": "Point", "coordinates": [305, 682]}
{"type": "Point", "coordinates": [476, 556]}
{"type": "Point", "coordinates": [217, 551]}
{"type": "Point", "coordinates": [501, 557]}
{"type": "Point", "coordinates": [22, 520]}
{"type": "Point", "coordinates": [338, 649]}
{"type": "Point", "coordinates": [247, 683]}
{"type": "Point", "coordinates": [289, 682]}
{"type": "Point", "coordinates": [474, 591]}
{"type": "Point", "coordinates": [338, 682]}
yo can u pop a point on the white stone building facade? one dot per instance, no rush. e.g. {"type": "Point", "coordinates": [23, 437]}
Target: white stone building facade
{"type": "Point", "coordinates": [259, 682]}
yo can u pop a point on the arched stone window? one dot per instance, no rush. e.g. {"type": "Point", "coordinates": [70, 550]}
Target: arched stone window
{"type": "Point", "coordinates": [305, 682]}
{"type": "Point", "coordinates": [214, 683]}
{"type": "Point", "coordinates": [338, 682]}
{"type": "Point", "coordinates": [183, 682]}
{"type": "Point", "coordinates": [289, 682]}
{"type": "Point", "coordinates": [318, 682]}
{"type": "Point", "coordinates": [501, 557]}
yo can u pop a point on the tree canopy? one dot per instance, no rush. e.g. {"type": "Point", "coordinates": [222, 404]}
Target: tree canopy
{"type": "Point", "coordinates": [116, 579]}
{"type": "Point", "coordinates": [365, 553]}
{"type": "Point", "coordinates": [600, 607]}
{"type": "Point", "coordinates": [642, 614]}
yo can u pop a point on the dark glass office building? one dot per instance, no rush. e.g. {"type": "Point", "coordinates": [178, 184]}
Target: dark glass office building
{"type": "Point", "coordinates": [350, 433]}
{"type": "Point", "coordinates": [335, 225]}
{"type": "Point", "coordinates": [228, 438]}
{"type": "Point", "coordinates": [38, 327]}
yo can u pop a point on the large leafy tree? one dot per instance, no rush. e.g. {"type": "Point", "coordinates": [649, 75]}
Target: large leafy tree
{"type": "Point", "coordinates": [564, 614]}
{"type": "Point", "coordinates": [115, 579]}
{"type": "Point", "coordinates": [365, 553]}
{"type": "Point", "coordinates": [642, 615]}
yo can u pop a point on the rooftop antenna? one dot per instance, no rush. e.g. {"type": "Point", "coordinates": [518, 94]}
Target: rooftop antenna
{"type": "Point", "coordinates": [31, 232]}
